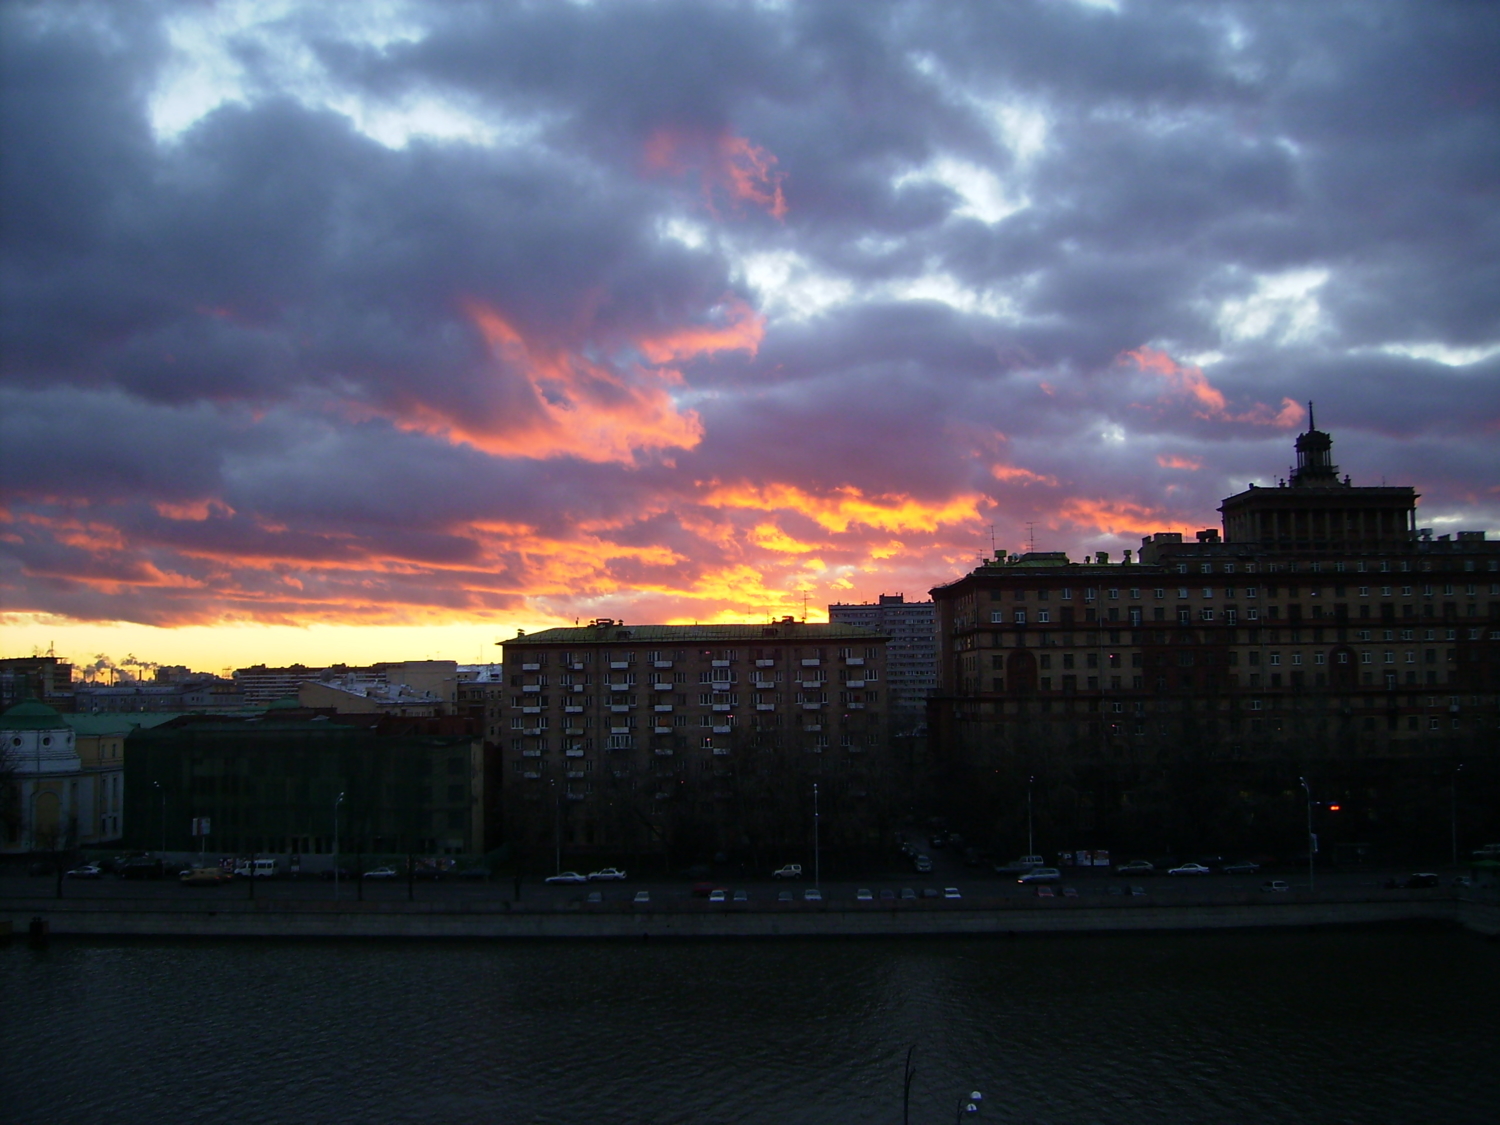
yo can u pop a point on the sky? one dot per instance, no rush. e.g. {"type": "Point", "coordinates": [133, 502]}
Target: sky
{"type": "Point", "coordinates": [378, 330]}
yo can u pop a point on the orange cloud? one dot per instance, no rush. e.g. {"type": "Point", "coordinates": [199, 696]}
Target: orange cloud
{"type": "Point", "coordinates": [848, 506]}
{"type": "Point", "coordinates": [1118, 518]}
{"type": "Point", "coordinates": [725, 162]}
{"type": "Point", "coordinates": [1210, 404]}
{"type": "Point", "coordinates": [577, 407]}
{"type": "Point", "coordinates": [1010, 473]}
{"type": "Point", "coordinates": [1172, 461]}
{"type": "Point", "coordinates": [195, 510]}
{"type": "Point", "coordinates": [739, 328]}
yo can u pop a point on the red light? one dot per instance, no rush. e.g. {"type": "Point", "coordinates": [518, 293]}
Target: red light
{"type": "Point", "coordinates": [1333, 808]}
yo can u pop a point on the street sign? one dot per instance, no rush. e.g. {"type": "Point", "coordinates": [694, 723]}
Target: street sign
{"type": "Point", "coordinates": [200, 825]}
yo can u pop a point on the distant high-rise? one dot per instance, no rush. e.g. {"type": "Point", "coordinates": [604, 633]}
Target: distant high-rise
{"type": "Point", "coordinates": [911, 655]}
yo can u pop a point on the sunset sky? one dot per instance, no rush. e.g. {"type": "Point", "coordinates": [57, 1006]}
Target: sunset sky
{"type": "Point", "coordinates": [372, 331]}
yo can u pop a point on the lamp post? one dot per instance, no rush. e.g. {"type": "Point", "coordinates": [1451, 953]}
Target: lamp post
{"type": "Point", "coordinates": [1454, 810]}
{"type": "Point", "coordinates": [163, 793]}
{"type": "Point", "coordinates": [1312, 841]}
{"type": "Point", "coordinates": [336, 805]}
{"type": "Point", "coordinates": [817, 857]}
{"type": "Point", "coordinates": [1030, 837]}
{"type": "Point", "coordinates": [968, 1105]}
{"type": "Point", "coordinates": [556, 826]}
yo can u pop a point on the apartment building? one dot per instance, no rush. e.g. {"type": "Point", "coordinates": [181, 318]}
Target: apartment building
{"type": "Point", "coordinates": [690, 739]}
{"type": "Point", "coordinates": [911, 654]}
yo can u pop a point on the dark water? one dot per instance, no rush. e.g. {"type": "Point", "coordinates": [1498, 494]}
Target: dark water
{"type": "Point", "coordinates": [1387, 1026]}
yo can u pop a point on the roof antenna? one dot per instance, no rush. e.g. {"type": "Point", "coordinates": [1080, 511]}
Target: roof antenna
{"type": "Point", "coordinates": [1031, 538]}
{"type": "Point", "coordinates": [1311, 423]}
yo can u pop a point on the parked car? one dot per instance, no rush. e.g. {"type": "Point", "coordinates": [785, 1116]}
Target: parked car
{"type": "Point", "coordinates": [141, 869]}
{"type": "Point", "coordinates": [1422, 879]}
{"type": "Point", "coordinates": [1044, 890]}
{"type": "Point", "coordinates": [741, 896]}
{"type": "Point", "coordinates": [908, 895]}
{"type": "Point", "coordinates": [386, 873]}
{"type": "Point", "coordinates": [951, 892]}
{"type": "Point", "coordinates": [887, 895]}
{"type": "Point", "coordinates": [607, 875]}
{"type": "Point", "coordinates": [788, 871]}
{"type": "Point", "coordinates": [1136, 867]}
{"type": "Point", "coordinates": [1019, 866]}
{"type": "Point", "coordinates": [1137, 889]}
{"type": "Point", "coordinates": [718, 894]}
{"type": "Point", "coordinates": [642, 896]}
{"type": "Point", "coordinates": [204, 877]}
{"type": "Point", "coordinates": [562, 877]}
{"type": "Point", "coordinates": [812, 894]}
{"type": "Point", "coordinates": [1070, 892]}
{"type": "Point", "coordinates": [1041, 875]}
{"type": "Point", "coordinates": [929, 892]}
{"type": "Point", "coordinates": [922, 864]}
{"type": "Point", "coordinates": [87, 871]}
{"type": "Point", "coordinates": [864, 894]}
{"type": "Point", "coordinates": [1191, 869]}
{"type": "Point", "coordinates": [1243, 867]}
{"type": "Point", "coordinates": [596, 897]}
{"type": "Point", "coordinates": [1275, 885]}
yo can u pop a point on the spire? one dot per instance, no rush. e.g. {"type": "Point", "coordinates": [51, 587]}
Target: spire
{"type": "Point", "coordinates": [1315, 467]}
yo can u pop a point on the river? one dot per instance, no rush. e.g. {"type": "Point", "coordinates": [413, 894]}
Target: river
{"type": "Point", "coordinates": [1389, 1025]}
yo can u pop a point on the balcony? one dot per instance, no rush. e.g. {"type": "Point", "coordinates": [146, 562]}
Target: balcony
{"type": "Point", "coordinates": [812, 662]}
{"type": "Point", "coordinates": [722, 686]}
{"type": "Point", "coordinates": [661, 730]}
{"type": "Point", "coordinates": [662, 708]}
{"type": "Point", "coordinates": [619, 708]}
{"type": "Point", "coordinates": [619, 730]}
{"type": "Point", "coordinates": [620, 664]}
{"type": "Point", "coordinates": [813, 684]}
{"type": "Point", "coordinates": [619, 687]}
{"type": "Point", "coordinates": [812, 706]}
{"type": "Point", "coordinates": [576, 689]}
{"type": "Point", "coordinates": [576, 775]}
{"type": "Point", "coordinates": [720, 752]}
{"type": "Point", "coordinates": [724, 730]}
{"type": "Point", "coordinates": [661, 664]}
{"type": "Point", "coordinates": [619, 773]}
{"type": "Point", "coordinates": [765, 663]}
{"type": "Point", "coordinates": [531, 753]}
{"type": "Point", "coordinates": [576, 796]}
{"type": "Point", "coordinates": [661, 687]}
{"type": "Point", "coordinates": [573, 709]}
{"type": "Point", "coordinates": [720, 663]}
{"type": "Point", "coordinates": [662, 752]}
{"type": "Point", "coordinates": [532, 775]}
{"type": "Point", "coordinates": [532, 689]}
{"type": "Point", "coordinates": [531, 710]}
{"type": "Point", "coordinates": [763, 685]}
{"type": "Point", "coordinates": [533, 731]}
{"type": "Point", "coordinates": [812, 728]}
{"type": "Point", "coordinates": [574, 667]}
{"type": "Point", "coordinates": [856, 706]}
{"type": "Point", "coordinates": [855, 683]}
{"type": "Point", "coordinates": [854, 661]}
{"type": "Point", "coordinates": [573, 730]}
{"type": "Point", "coordinates": [531, 667]}
{"type": "Point", "coordinates": [765, 706]}
{"type": "Point", "coordinates": [573, 753]}
{"type": "Point", "coordinates": [722, 706]}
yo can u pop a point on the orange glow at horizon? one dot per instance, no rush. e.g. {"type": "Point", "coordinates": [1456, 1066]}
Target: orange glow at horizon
{"type": "Point", "coordinates": [848, 506]}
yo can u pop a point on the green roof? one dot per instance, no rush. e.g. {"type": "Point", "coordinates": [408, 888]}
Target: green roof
{"type": "Point", "coordinates": [775, 631]}
{"type": "Point", "coordinates": [32, 714]}
{"type": "Point", "coordinates": [118, 722]}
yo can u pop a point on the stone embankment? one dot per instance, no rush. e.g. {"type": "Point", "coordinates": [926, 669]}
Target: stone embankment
{"type": "Point", "coordinates": [500, 920]}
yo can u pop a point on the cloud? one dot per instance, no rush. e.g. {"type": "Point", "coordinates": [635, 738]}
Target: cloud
{"type": "Point", "coordinates": [509, 314]}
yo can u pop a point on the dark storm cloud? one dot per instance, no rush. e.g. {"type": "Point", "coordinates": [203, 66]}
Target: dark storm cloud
{"type": "Point", "coordinates": [729, 289]}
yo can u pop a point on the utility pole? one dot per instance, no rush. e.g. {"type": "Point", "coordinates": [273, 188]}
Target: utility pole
{"type": "Point", "coordinates": [336, 805]}
{"type": "Point", "coordinates": [1030, 836]}
{"type": "Point", "coordinates": [1312, 841]}
{"type": "Point", "coordinates": [817, 859]}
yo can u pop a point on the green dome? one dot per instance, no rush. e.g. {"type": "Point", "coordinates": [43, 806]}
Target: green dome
{"type": "Point", "coordinates": [33, 714]}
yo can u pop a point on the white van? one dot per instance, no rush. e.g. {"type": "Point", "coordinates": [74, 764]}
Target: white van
{"type": "Point", "coordinates": [264, 869]}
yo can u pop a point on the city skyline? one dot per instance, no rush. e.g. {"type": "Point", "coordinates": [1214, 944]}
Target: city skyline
{"type": "Point", "coordinates": [338, 332]}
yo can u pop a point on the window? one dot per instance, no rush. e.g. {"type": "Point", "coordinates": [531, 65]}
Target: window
{"type": "Point", "coordinates": [1020, 617]}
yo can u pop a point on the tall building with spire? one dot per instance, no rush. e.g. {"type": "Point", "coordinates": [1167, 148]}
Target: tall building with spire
{"type": "Point", "coordinates": [1323, 633]}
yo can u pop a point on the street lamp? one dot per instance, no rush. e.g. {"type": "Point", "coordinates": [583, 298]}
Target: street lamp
{"type": "Point", "coordinates": [968, 1105]}
{"type": "Point", "coordinates": [1456, 772]}
{"type": "Point", "coordinates": [163, 793]}
{"type": "Point", "coordinates": [1030, 838]}
{"type": "Point", "coordinates": [336, 805]}
{"type": "Point", "coordinates": [817, 858]}
{"type": "Point", "coordinates": [1312, 841]}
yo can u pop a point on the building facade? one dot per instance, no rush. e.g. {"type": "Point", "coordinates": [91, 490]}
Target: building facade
{"type": "Point", "coordinates": [1323, 634]}
{"type": "Point", "coordinates": [692, 740]}
{"type": "Point", "coordinates": [57, 791]}
{"type": "Point", "coordinates": [911, 654]}
{"type": "Point", "coordinates": [270, 784]}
